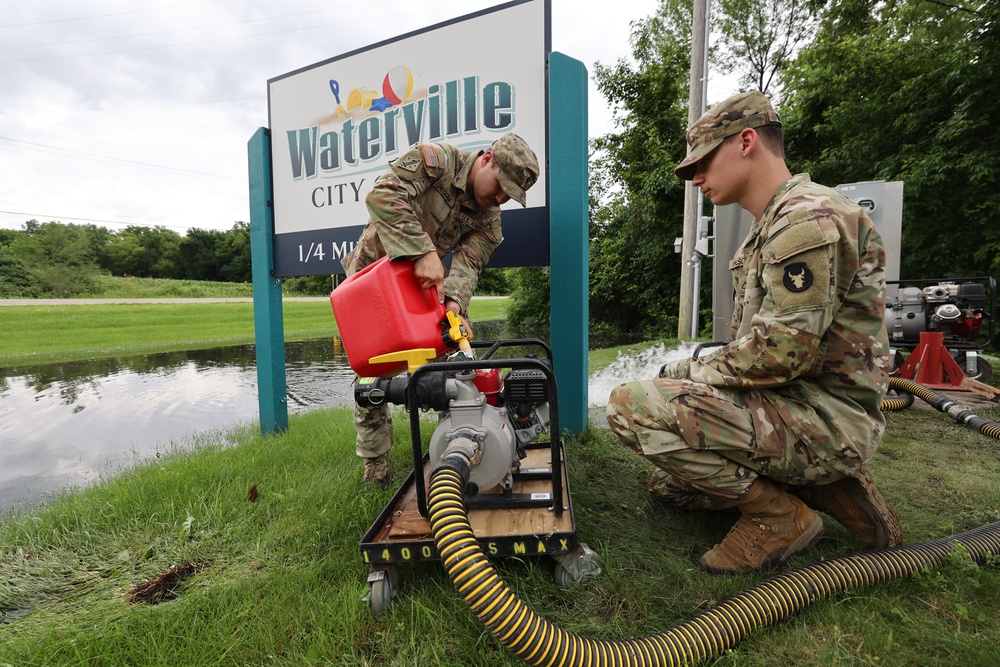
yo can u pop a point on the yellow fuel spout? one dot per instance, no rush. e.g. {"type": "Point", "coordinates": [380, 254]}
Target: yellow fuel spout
{"type": "Point", "coordinates": [457, 332]}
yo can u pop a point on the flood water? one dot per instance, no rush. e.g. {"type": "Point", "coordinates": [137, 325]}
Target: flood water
{"type": "Point", "coordinates": [66, 424]}
{"type": "Point", "coordinates": [69, 424]}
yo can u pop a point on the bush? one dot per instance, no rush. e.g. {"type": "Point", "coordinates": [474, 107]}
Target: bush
{"type": "Point", "coordinates": [493, 282]}
{"type": "Point", "coordinates": [529, 299]}
{"type": "Point", "coordinates": [320, 285]}
{"type": "Point", "coordinates": [16, 280]}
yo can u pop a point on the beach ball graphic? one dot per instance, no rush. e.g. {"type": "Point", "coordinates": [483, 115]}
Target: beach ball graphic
{"type": "Point", "coordinates": [398, 84]}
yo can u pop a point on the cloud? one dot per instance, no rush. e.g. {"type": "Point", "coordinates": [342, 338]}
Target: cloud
{"type": "Point", "coordinates": [114, 114]}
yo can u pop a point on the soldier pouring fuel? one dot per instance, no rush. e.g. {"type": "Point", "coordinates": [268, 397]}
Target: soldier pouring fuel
{"type": "Point", "coordinates": [783, 419]}
{"type": "Point", "coordinates": [433, 200]}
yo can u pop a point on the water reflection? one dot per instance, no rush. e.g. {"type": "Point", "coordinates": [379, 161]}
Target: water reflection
{"type": "Point", "coordinates": [65, 424]}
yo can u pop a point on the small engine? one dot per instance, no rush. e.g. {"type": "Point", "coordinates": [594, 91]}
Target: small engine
{"type": "Point", "coordinates": [495, 416]}
{"type": "Point", "coordinates": [956, 310]}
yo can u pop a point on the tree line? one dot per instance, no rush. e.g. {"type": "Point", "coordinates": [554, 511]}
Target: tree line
{"type": "Point", "coordinates": [54, 259]}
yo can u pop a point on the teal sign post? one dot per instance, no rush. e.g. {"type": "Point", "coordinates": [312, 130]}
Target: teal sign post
{"type": "Point", "coordinates": [569, 248]}
{"type": "Point", "coordinates": [269, 325]}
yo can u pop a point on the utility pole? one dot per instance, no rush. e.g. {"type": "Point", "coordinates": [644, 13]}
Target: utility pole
{"type": "Point", "coordinates": [696, 107]}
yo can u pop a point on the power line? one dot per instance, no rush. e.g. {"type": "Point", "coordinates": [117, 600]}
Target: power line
{"type": "Point", "coordinates": [102, 16]}
{"type": "Point", "coordinates": [207, 41]}
{"type": "Point", "coordinates": [170, 46]}
{"type": "Point", "coordinates": [94, 156]}
{"type": "Point", "coordinates": [137, 106]}
{"type": "Point", "coordinates": [164, 32]}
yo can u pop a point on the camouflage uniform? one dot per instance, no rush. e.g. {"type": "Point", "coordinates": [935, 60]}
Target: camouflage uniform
{"type": "Point", "coordinates": [795, 395]}
{"type": "Point", "coordinates": [423, 203]}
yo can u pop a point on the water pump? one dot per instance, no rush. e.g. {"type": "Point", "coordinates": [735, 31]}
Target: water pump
{"type": "Point", "coordinates": [962, 309]}
{"type": "Point", "coordinates": [493, 417]}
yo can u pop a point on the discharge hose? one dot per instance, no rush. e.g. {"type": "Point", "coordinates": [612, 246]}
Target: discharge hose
{"type": "Point", "coordinates": [960, 413]}
{"type": "Point", "coordinates": [719, 629]}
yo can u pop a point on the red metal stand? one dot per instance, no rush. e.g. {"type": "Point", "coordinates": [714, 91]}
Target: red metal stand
{"type": "Point", "coordinates": [931, 365]}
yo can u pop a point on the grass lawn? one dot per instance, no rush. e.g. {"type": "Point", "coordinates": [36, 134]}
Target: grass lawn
{"type": "Point", "coordinates": [281, 580]}
{"type": "Point", "coordinates": [48, 334]}
{"type": "Point", "coordinates": [259, 536]}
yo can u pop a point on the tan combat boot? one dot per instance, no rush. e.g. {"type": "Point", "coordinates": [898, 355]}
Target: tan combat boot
{"type": "Point", "coordinates": [775, 526]}
{"type": "Point", "coordinates": [856, 503]}
{"type": "Point", "coordinates": [376, 472]}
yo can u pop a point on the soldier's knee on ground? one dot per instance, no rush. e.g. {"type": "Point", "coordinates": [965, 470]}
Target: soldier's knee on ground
{"type": "Point", "coordinates": [619, 411]}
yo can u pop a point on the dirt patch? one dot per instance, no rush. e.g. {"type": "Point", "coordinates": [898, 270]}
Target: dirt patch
{"type": "Point", "coordinates": [163, 587]}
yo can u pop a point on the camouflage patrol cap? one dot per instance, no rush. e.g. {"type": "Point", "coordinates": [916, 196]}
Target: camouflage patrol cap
{"type": "Point", "coordinates": [732, 116]}
{"type": "Point", "coordinates": [518, 165]}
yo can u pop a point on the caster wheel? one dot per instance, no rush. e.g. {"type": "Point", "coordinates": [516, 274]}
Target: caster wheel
{"type": "Point", "coordinates": [381, 588]}
{"type": "Point", "coordinates": [562, 578]}
{"type": "Point", "coordinates": [983, 371]}
{"type": "Point", "coordinates": [572, 568]}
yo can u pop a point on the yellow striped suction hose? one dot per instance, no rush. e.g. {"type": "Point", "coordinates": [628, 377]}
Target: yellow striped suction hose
{"type": "Point", "coordinates": [539, 642]}
{"type": "Point", "coordinates": [953, 409]}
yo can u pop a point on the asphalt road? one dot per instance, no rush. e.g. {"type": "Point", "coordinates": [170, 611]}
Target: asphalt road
{"type": "Point", "coordinates": [98, 302]}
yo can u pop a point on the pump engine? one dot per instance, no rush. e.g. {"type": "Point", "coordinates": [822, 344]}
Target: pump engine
{"type": "Point", "coordinates": [492, 417]}
{"type": "Point", "coordinates": [962, 310]}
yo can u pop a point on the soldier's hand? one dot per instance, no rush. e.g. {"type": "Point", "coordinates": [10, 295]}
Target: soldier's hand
{"type": "Point", "coordinates": [430, 273]}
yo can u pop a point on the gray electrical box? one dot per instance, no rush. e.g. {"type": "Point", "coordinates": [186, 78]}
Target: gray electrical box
{"type": "Point", "coordinates": [884, 204]}
{"type": "Point", "coordinates": [881, 200]}
{"type": "Point", "coordinates": [732, 224]}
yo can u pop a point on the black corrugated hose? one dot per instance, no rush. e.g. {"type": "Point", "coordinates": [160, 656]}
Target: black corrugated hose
{"type": "Point", "coordinates": [960, 413]}
{"type": "Point", "coordinates": [539, 642]}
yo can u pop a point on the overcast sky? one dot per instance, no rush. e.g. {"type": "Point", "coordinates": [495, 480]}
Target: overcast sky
{"type": "Point", "coordinates": [118, 112]}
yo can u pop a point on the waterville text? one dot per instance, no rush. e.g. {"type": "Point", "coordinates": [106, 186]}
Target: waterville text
{"type": "Point", "coordinates": [457, 108]}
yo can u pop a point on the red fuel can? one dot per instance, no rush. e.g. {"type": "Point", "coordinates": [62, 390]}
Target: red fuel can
{"type": "Point", "coordinates": [382, 309]}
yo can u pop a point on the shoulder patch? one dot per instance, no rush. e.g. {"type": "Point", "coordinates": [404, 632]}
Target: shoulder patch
{"type": "Point", "coordinates": [407, 162]}
{"type": "Point", "coordinates": [430, 156]}
{"type": "Point", "coordinates": [799, 237]}
{"type": "Point", "coordinates": [798, 277]}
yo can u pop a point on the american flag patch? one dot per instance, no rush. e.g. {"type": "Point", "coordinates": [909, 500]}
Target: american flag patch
{"type": "Point", "coordinates": [430, 157]}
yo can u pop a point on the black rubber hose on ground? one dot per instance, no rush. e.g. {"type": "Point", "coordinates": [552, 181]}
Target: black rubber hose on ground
{"type": "Point", "coordinates": [900, 401]}
{"type": "Point", "coordinates": [953, 409]}
{"type": "Point", "coordinates": [719, 629]}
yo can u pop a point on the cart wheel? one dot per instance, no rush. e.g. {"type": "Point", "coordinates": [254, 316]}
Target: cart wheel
{"type": "Point", "coordinates": [896, 362]}
{"type": "Point", "coordinates": [381, 583]}
{"type": "Point", "coordinates": [380, 597]}
{"type": "Point", "coordinates": [983, 371]}
{"type": "Point", "coordinates": [562, 577]}
{"type": "Point", "coordinates": [573, 568]}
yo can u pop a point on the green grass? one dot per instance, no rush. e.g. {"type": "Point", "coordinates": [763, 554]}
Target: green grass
{"type": "Point", "coordinates": [116, 287]}
{"type": "Point", "coordinates": [281, 580]}
{"type": "Point", "coordinates": [49, 334]}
